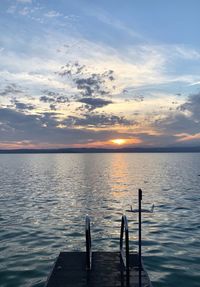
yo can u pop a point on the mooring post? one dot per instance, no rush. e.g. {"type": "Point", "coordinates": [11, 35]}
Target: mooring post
{"type": "Point", "coordinates": [140, 235]}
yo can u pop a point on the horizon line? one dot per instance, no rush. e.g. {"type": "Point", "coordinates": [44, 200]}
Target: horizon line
{"type": "Point", "coordinates": [103, 150]}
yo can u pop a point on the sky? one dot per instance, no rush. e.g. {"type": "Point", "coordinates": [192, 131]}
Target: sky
{"type": "Point", "coordinates": [86, 73]}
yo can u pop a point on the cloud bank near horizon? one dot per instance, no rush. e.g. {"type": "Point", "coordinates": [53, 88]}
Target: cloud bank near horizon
{"type": "Point", "coordinates": [85, 77]}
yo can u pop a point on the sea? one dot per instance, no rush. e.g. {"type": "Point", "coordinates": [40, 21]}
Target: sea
{"type": "Point", "coordinates": [44, 199]}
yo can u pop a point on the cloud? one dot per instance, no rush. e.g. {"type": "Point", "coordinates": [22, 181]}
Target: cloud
{"type": "Point", "coordinates": [176, 123]}
{"type": "Point", "coordinates": [43, 130]}
{"type": "Point", "coordinates": [62, 99]}
{"type": "Point", "coordinates": [25, 11]}
{"type": "Point", "coordinates": [52, 14]}
{"type": "Point", "coordinates": [47, 99]}
{"type": "Point", "coordinates": [11, 9]}
{"type": "Point", "coordinates": [192, 105]}
{"type": "Point", "coordinates": [10, 89]}
{"type": "Point", "coordinates": [94, 103]}
{"type": "Point", "coordinates": [89, 84]}
{"type": "Point", "coordinates": [48, 130]}
{"type": "Point", "coordinates": [184, 122]}
{"type": "Point", "coordinates": [106, 18]}
{"type": "Point", "coordinates": [94, 78]}
{"type": "Point", "coordinates": [13, 119]}
{"type": "Point", "coordinates": [25, 1]}
{"type": "Point", "coordinates": [21, 126]}
{"type": "Point", "coordinates": [97, 121]}
{"type": "Point", "coordinates": [53, 97]}
{"type": "Point", "coordinates": [22, 106]}
{"type": "Point", "coordinates": [187, 53]}
{"type": "Point", "coordinates": [156, 140]}
{"type": "Point", "coordinates": [192, 138]}
{"type": "Point", "coordinates": [52, 107]}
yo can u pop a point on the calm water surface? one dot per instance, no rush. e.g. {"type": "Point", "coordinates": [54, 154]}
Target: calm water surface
{"type": "Point", "coordinates": [44, 199]}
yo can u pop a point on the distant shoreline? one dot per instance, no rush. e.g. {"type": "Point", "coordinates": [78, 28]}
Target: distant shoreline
{"type": "Point", "coordinates": [104, 150]}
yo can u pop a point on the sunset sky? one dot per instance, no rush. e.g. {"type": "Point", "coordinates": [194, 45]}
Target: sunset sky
{"type": "Point", "coordinates": [87, 73]}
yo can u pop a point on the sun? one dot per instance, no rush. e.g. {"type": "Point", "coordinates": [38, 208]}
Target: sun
{"type": "Point", "coordinates": [118, 141]}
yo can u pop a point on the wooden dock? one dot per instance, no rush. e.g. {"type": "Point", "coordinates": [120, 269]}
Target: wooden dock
{"type": "Point", "coordinates": [107, 271]}
{"type": "Point", "coordinates": [102, 269]}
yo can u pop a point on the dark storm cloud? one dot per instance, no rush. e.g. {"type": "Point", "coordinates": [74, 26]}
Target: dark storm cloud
{"type": "Point", "coordinates": [97, 120]}
{"type": "Point", "coordinates": [94, 103]}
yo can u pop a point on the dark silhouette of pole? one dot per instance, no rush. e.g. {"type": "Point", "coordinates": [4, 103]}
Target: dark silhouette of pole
{"type": "Point", "coordinates": [140, 235]}
{"type": "Point", "coordinates": [125, 256]}
{"type": "Point", "coordinates": [88, 243]}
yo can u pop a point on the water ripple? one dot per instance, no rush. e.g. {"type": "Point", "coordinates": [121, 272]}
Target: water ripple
{"type": "Point", "coordinates": [44, 200]}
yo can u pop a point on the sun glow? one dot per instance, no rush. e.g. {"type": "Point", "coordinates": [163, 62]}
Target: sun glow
{"type": "Point", "coordinates": [119, 141]}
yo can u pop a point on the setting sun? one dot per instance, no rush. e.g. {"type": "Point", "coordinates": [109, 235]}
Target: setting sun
{"type": "Point", "coordinates": [119, 141]}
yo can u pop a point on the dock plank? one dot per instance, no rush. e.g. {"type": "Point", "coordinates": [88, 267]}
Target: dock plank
{"type": "Point", "coordinates": [107, 271]}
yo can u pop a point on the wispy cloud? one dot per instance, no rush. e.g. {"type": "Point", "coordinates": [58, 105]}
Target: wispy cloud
{"type": "Point", "coordinates": [11, 9]}
{"type": "Point", "coordinates": [24, 1]}
{"type": "Point", "coordinates": [192, 138]}
{"type": "Point", "coordinates": [24, 11]}
{"type": "Point", "coordinates": [187, 52]}
{"type": "Point", "coordinates": [108, 19]}
{"type": "Point", "coordinates": [52, 14]}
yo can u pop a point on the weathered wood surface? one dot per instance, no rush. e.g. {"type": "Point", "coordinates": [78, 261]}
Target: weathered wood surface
{"type": "Point", "coordinates": [107, 271]}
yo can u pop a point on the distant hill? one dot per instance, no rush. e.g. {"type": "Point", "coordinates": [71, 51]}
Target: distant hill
{"type": "Point", "coordinates": [105, 150]}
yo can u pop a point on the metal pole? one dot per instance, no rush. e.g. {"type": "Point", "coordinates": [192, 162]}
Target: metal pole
{"type": "Point", "coordinates": [88, 242]}
{"type": "Point", "coordinates": [140, 235]}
